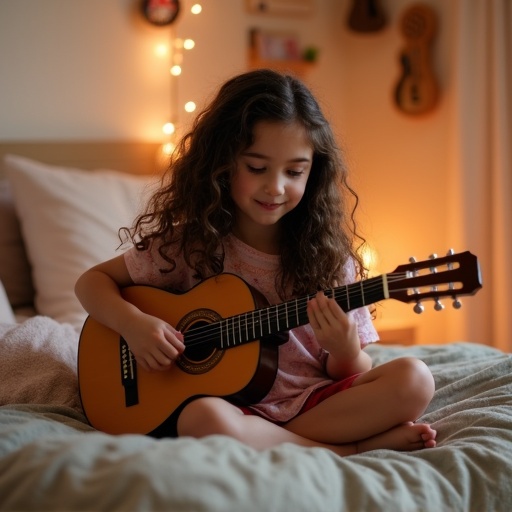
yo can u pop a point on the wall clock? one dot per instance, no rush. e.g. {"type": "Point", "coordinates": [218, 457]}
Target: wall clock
{"type": "Point", "coordinates": [160, 12]}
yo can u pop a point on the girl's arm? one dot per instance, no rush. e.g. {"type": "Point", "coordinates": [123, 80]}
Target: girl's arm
{"type": "Point", "coordinates": [153, 342]}
{"type": "Point", "coordinates": [337, 333]}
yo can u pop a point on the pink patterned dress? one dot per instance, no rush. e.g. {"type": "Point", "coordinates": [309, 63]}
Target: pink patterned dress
{"type": "Point", "coordinates": [301, 360]}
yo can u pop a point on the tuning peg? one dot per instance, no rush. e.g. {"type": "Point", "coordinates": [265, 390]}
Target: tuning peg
{"type": "Point", "coordinates": [433, 270]}
{"type": "Point", "coordinates": [418, 308]}
{"type": "Point", "coordinates": [438, 306]}
{"type": "Point", "coordinates": [457, 304]}
{"type": "Point", "coordinates": [450, 252]}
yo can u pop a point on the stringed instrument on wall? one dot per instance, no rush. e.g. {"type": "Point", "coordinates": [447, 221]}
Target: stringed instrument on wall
{"type": "Point", "coordinates": [366, 16]}
{"type": "Point", "coordinates": [231, 341]}
{"type": "Point", "coordinates": [417, 90]}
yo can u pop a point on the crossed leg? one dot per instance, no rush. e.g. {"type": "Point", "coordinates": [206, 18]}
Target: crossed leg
{"type": "Point", "coordinates": [378, 411]}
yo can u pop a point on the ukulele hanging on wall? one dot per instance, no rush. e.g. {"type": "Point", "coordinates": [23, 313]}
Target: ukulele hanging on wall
{"type": "Point", "coordinates": [417, 91]}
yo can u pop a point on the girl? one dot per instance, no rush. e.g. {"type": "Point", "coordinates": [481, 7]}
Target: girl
{"type": "Point", "coordinates": [257, 188]}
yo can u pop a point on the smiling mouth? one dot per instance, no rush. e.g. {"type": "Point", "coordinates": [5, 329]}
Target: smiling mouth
{"type": "Point", "coordinates": [269, 206]}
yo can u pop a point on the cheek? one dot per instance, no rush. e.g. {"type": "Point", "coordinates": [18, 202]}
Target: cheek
{"type": "Point", "coordinates": [240, 188]}
{"type": "Point", "coordinates": [297, 191]}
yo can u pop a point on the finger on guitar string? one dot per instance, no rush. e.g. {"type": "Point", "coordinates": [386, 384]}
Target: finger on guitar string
{"type": "Point", "coordinates": [325, 312]}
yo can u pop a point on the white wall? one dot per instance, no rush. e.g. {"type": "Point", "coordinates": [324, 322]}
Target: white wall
{"type": "Point", "coordinates": [74, 69]}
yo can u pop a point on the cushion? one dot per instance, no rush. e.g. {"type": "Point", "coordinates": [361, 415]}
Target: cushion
{"type": "Point", "coordinates": [15, 272]}
{"type": "Point", "coordinates": [69, 219]}
{"type": "Point", "coordinates": [6, 313]}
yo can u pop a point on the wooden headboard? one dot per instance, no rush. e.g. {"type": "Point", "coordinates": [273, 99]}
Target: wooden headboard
{"type": "Point", "coordinates": [126, 156]}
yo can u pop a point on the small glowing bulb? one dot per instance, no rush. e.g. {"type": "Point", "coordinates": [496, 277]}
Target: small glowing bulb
{"type": "Point", "coordinates": [176, 70]}
{"type": "Point", "coordinates": [196, 9]}
{"type": "Point", "coordinates": [168, 128]}
{"type": "Point", "coordinates": [190, 106]}
{"type": "Point", "coordinates": [168, 148]}
{"type": "Point", "coordinates": [370, 258]}
{"type": "Point", "coordinates": [188, 44]}
{"type": "Point", "coordinates": [161, 50]}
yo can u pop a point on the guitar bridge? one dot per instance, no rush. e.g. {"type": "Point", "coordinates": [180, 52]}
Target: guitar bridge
{"type": "Point", "coordinates": [128, 374]}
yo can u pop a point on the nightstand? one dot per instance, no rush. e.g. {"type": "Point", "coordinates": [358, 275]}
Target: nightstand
{"type": "Point", "coordinates": [398, 335]}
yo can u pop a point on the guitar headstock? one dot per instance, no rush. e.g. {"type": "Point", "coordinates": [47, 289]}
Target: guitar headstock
{"type": "Point", "coordinates": [448, 276]}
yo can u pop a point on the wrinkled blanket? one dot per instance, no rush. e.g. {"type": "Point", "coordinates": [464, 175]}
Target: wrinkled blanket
{"type": "Point", "coordinates": [51, 459]}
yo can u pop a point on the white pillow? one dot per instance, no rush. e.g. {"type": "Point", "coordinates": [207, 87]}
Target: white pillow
{"type": "Point", "coordinates": [69, 219]}
{"type": "Point", "coordinates": [15, 272]}
{"type": "Point", "coordinates": [6, 313]}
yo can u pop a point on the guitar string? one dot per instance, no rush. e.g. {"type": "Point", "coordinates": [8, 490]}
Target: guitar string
{"type": "Point", "coordinates": [204, 333]}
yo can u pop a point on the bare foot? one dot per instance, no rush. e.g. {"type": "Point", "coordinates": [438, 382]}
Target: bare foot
{"type": "Point", "coordinates": [407, 437]}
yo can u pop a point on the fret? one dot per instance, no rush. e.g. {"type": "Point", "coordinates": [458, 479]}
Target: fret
{"type": "Point", "coordinates": [362, 293]}
{"type": "Point", "coordinates": [233, 331]}
{"type": "Point", "coordinates": [228, 331]}
{"type": "Point", "coordinates": [221, 324]}
{"type": "Point", "coordinates": [268, 320]}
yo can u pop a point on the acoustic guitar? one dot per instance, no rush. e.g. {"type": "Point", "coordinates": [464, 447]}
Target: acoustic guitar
{"type": "Point", "coordinates": [417, 91]}
{"type": "Point", "coordinates": [231, 341]}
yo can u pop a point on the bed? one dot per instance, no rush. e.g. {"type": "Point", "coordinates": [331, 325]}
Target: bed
{"type": "Point", "coordinates": [60, 207]}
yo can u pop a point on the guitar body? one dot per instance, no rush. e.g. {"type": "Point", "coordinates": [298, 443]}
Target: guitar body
{"type": "Point", "coordinates": [243, 374]}
{"type": "Point", "coordinates": [417, 91]}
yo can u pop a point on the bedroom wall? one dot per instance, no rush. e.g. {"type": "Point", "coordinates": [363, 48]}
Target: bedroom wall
{"type": "Point", "coordinates": [88, 70]}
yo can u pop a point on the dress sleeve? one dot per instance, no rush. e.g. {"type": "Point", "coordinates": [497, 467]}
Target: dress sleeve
{"type": "Point", "coordinates": [147, 267]}
{"type": "Point", "coordinates": [365, 327]}
{"type": "Point", "coordinates": [142, 267]}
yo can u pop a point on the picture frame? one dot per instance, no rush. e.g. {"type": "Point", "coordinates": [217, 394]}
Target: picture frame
{"type": "Point", "coordinates": [275, 45]}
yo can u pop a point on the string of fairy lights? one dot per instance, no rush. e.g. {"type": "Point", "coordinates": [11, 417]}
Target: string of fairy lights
{"type": "Point", "coordinates": [175, 50]}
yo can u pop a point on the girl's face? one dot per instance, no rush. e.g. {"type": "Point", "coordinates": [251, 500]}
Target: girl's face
{"type": "Point", "coordinates": [270, 179]}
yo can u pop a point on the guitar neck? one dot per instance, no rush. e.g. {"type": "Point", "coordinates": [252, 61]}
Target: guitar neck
{"type": "Point", "coordinates": [253, 325]}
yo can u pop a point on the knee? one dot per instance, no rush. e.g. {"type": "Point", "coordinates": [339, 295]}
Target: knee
{"type": "Point", "coordinates": [208, 416]}
{"type": "Point", "coordinates": [414, 384]}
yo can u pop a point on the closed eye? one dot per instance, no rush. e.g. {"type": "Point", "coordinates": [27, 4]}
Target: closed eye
{"type": "Point", "coordinates": [256, 169]}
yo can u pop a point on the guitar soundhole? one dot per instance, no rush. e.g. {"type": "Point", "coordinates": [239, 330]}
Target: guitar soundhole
{"type": "Point", "coordinates": [199, 352]}
{"type": "Point", "coordinates": [198, 357]}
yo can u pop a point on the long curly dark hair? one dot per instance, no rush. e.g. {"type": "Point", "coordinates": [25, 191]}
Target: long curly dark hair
{"type": "Point", "coordinates": [193, 210]}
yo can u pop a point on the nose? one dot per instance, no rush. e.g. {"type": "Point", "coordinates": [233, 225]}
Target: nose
{"type": "Point", "coordinates": [274, 186]}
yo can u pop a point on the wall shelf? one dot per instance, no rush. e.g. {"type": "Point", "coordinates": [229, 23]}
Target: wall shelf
{"type": "Point", "coordinates": [296, 67]}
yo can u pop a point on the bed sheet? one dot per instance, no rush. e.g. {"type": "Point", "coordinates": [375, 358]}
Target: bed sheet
{"type": "Point", "coordinates": [51, 459]}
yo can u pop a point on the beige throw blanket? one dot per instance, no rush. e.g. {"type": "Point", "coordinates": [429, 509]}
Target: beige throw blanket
{"type": "Point", "coordinates": [38, 363]}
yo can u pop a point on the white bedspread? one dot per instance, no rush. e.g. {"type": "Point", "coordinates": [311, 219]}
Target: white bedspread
{"type": "Point", "coordinates": [50, 459]}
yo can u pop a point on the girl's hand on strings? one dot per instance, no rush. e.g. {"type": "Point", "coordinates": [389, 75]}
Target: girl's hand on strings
{"type": "Point", "coordinates": [154, 343]}
{"type": "Point", "coordinates": [335, 331]}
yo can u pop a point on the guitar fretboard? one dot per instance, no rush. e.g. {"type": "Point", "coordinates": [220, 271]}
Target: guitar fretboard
{"type": "Point", "coordinates": [253, 325]}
